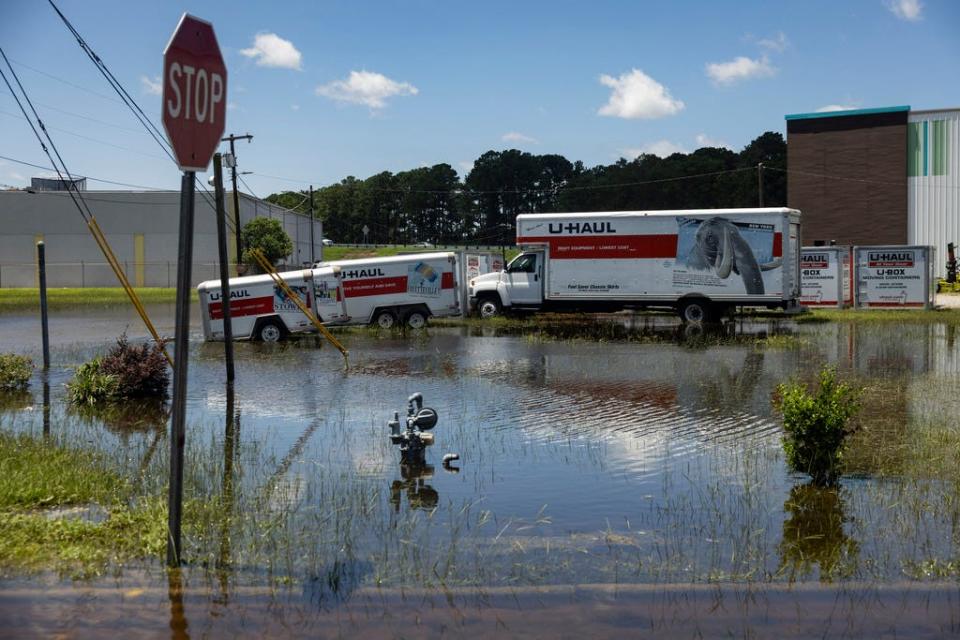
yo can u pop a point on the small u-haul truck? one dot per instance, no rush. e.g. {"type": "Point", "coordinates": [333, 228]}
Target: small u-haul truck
{"type": "Point", "coordinates": [405, 289]}
{"type": "Point", "coordinates": [260, 310]}
{"type": "Point", "coordinates": [700, 262]}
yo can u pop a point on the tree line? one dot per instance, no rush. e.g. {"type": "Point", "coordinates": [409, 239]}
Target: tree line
{"type": "Point", "coordinates": [432, 204]}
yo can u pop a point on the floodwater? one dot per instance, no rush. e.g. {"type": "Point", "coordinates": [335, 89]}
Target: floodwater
{"type": "Point", "coordinates": [627, 482]}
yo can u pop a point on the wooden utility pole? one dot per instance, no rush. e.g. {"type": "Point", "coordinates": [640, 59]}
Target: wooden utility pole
{"type": "Point", "coordinates": [236, 198]}
{"type": "Point", "coordinates": [760, 184]}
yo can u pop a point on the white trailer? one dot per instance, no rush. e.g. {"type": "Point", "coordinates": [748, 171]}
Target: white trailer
{"type": "Point", "coordinates": [406, 289]}
{"type": "Point", "coordinates": [895, 276]}
{"type": "Point", "coordinates": [826, 276]}
{"type": "Point", "coordinates": [260, 310]}
{"type": "Point", "coordinates": [700, 262]}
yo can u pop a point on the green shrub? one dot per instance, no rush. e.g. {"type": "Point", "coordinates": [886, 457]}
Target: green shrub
{"type": "Point", "coordinates": [127, 372]}
{"type": "Point", "coordinates": [91, 385]}
{"type": "Point", "coordinates": [816, 425]}
{"type": "Point", "coordinates": [267, 235]}
{"type": "Point", "coordinates": [15, 372]}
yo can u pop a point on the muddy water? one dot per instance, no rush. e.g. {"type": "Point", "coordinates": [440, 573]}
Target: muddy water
{"type": "Point", "coordinates": [644, 467]}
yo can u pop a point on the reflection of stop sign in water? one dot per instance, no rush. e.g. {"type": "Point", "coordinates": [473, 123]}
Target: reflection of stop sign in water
{"type": "Point", "coordinates": [194, 93]}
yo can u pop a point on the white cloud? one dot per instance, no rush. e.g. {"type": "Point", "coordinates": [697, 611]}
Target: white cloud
{"type": "Point", "coordinates": [661, 148]}
{"type": "Point", "coordinates": [835, 107]}
{"type": "Point", "coordinates": [637, 95]}
{"type": "Point", "coordinates": [295, 107]}
{"type": "Point", "coordinates": [909, 10]}
{"type": "Point", "coordinates": [703, 140]}
{"type": "Point", "coordinates": [740, 68]}
{"type": "Point", "coordinates": [366, 87]}
{"type": "Point", "coordinates": [270, 50]}
{"type": "Point", "coordinates": [777, 43]}
{"type": "Point", "coordinates": [516, 136]}
{"type": "Point", "coordinates": [466, 166]}
{"type": "Point", "coordinates": [154, 87]}
{"type": "Point", "coordinates": [231, 106]}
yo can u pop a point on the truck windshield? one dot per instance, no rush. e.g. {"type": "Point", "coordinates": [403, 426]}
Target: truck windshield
{"type": "Point", "coordinates": [524, 263]}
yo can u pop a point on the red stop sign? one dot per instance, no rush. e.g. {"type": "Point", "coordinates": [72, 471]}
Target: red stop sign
{"type": "Point", "coordinates": [194, 93]}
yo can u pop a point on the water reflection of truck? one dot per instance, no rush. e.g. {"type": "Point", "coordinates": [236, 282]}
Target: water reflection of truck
{"type": "Point", "coordinates": [700, 262]}
{"type": "Point", "coordinates": [385, 291]}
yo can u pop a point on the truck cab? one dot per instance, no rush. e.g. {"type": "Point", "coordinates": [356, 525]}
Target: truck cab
{"type": "Point", "coordinates": [518, 286]}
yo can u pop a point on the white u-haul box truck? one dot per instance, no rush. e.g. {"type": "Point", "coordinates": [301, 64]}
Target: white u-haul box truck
{"type": "Point", "coordinates": [826, 276]}
{"type": "Point", "coordinates": [406, 289]}
{"type": "Point", "coordinates": [700, 262]}
{"type": "Point", "coordinates": [260, 310]}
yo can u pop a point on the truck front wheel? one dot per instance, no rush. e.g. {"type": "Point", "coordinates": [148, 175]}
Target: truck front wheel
{"type": "Point", "coordinates": [696, 311]}
{"type": "Point", "coordinates": [488, 307]}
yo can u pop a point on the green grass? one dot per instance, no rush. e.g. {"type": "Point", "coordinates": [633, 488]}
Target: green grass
{"type": "Point", "coordinates": [21, 299]}
{"type": "Point", "coordinates": [37, 475]}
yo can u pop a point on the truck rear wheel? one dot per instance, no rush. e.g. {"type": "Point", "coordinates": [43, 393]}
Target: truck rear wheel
{"type": "Point", "coordinates": [385, 319]}
{"type": "Point", "coordinates": [697, 311]}
{"type": "Point", "coordinates": [488, 307]}
{"type": "Point", "coordinates": [270, 331]}
{"type": "Point", "coordinates": [416, 319]}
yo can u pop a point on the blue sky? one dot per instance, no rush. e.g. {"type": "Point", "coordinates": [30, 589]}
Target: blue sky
{"type": "Point", "coordinates": [331, 89]}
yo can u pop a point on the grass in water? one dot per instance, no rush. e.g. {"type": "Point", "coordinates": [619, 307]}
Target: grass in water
{"type": "Point", "coordinates": [21, 299]}
{"type": "Point", "coordinates": [36, 477]}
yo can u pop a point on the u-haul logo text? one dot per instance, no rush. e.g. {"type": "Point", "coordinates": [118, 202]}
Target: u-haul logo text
{"type": "Point", "coordinates": [579, 228]}
{"type": "Point", "coordinates": [362, 273]}
{"type": "Point", "coordinates": [876, 259]}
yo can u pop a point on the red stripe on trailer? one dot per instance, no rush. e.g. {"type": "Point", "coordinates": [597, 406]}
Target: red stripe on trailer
{"type": "Point", "coordinates": [894, 304]}
{"type": "Point", "coordinates": [822, 303]}
{"type": "Point", "coordinates": [446, 280]}
{"type": "Point", "coordinates": [617, 247]}
{"type": "Point", "coordinates": [374, 286]}
{"type": "Point", "coordinates": [242, 307]}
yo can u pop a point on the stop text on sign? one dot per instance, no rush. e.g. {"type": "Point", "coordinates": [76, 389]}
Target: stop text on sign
{"type": "Point", "coordinates": [196, 93]}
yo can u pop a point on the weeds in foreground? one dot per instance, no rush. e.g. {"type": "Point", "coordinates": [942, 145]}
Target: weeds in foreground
{"type": "Point", "coordinates": [128, 371]}
{"type": "Point", "coordinates": [15, 372]}
{"type": "Point", "coordinates": [816, 425]}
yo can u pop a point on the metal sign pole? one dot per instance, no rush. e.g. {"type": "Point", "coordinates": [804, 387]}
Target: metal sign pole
{"type": "Point", "coordinates": [224, 259]}
{"type": "Point", "coordinates": [181, 348]}
{"type": "Point", "coordinates": [44, 324]}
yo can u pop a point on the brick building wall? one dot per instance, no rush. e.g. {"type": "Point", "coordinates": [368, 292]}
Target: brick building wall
{"type": "Point", "coordinates": [848, 176]}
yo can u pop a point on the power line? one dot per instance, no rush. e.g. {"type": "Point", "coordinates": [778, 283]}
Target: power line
{"type": "Point", "coordinates": [103, 180]}
{"type": "Point", "coordinates": [89, 139]}
{"type": "Point", "coordinates": [81, 116]}
{"type": "Point", "coordinates": [66, 82]}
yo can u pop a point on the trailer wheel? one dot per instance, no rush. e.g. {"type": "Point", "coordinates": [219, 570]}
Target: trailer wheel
{"type": "Point", "coordinates": [270, 331]}
{"type": "Point", "coordinates": [416, 319]}
{"type": "Point", "coordinates": [385, 319]}
{"type": "Point", "coordinates": [696, 311]}
{"type": "Point", "coordinates": [488, 307]}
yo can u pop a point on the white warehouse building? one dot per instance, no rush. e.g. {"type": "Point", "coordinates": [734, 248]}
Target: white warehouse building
{"type": "Point", "coordinates": [141, 227]}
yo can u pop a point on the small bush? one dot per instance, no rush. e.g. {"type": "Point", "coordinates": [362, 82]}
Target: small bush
{"type": "Point", "coordinates": [91, 385]}
{"type": "Point", "coordinates": [127, 372]}
{"type": "Point", "coordinates": [267, 235]}
{"type": "Point", "coordinates": [15, 372]}
{"type": "Point", "coordinates": [141, 370]}
{"type": "Point", "coordinates": [816, 425]}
